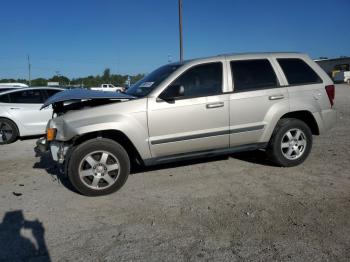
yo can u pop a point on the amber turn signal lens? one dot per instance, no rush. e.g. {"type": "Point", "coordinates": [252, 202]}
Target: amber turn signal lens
{"type": "Point", "coordinates": [50, 134]}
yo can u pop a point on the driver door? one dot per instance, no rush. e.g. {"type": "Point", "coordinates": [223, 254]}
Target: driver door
{"type": "Point", "coordinates": [196, 121]}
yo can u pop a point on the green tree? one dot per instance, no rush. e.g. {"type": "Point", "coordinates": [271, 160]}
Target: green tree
{"type": "Point", "coordinates": [39, 82]}
{"type": "Point", "coordinates": [106, 75]}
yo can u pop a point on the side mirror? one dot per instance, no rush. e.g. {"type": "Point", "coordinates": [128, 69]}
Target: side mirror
{"type": "Point", "coordinates": [172, 92]}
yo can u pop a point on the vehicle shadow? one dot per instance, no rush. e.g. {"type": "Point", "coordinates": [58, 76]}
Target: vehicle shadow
{"type": "Point", "coordinates": [57, 173]}
{"type": "Point", "coordinates": [258, 157]}
{"type": "Point", "coordinates": [29, 137]}
{"type": "Point", "coordinates": [21, 239]}
{"type": "Point", "coordinates": [142, 169]}
{"type": "Point", "coordinates": [54, 170]}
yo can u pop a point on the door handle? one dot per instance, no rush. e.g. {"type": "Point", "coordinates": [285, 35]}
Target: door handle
{"type": "Point", "coordinates": [215, 105]}
{"type": "Point", "coordinates": [15, 108]}
{"type": "Point", "coordinates": [276, 97]}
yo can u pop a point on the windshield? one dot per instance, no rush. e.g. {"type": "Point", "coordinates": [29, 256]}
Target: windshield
{"type": "Point", "coordinates": [144, 86]}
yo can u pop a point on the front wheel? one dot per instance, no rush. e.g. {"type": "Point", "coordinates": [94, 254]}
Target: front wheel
{"type": "Point", "coordinates": [98, 167]}
{"type": "Point", "coordinates": [290, 143]}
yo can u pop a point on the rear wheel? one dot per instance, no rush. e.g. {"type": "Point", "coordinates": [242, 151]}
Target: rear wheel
{"type": "Point", "coordinates": [8, 131]}
{"type": "Point", "coordinates": [290, 143]}
{"type": "Point", "coordinates": [98, 167]}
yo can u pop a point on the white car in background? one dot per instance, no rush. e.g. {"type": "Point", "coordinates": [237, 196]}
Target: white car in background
{"type": "Point", "coordinates": [20, 113]}
{"type": "Point", "coordinates": [108, 88]}
{"type": "Point", "coordinates": [11, 86]}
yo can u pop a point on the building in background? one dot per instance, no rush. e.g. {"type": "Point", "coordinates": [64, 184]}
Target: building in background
{"type": "Point", "coordinates": [53, 84]}
{"type": "Point", "coordinates": [334, 66]}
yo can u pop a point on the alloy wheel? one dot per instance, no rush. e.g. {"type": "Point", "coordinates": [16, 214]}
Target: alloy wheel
{"type": "Point", "coordinates": [293, 144]}
{"type": "Point", "coordinates": [6, 132]}
{"type": "Point", "coordinates": [99, 170]}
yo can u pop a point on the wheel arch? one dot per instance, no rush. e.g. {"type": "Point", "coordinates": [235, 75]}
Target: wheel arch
{"type": "Point", "coordinates": [305, 116]}
{"type": "Point", "coordinates": [115, 135]}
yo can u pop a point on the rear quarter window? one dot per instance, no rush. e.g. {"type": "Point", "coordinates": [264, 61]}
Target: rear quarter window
{"type": "Point", "coordinates": [298, 72]}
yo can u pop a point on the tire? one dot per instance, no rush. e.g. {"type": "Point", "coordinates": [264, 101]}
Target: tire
{"type": "Point", "coordinates": [98, 167]}
{"type": "Point", "coordinates": [291, 142]}
{"type": "Point", "coordinates": [8, 131]}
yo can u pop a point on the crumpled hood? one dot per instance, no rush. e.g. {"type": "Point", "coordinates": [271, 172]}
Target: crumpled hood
{"type": "Point", "coordinates": [83, 94]}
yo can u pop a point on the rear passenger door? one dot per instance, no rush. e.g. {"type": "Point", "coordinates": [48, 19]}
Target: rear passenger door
{"type": "Point", "coordinates": [25, 106]}
{"type": "Point", "coordinates": [257, 96]}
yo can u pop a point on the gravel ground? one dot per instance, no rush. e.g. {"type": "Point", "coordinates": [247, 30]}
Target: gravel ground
{"type": "Point", "coordinates": [237, 208]}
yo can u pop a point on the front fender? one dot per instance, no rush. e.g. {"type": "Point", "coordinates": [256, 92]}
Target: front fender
{"type": "Point", "coordinates": [130, 118]}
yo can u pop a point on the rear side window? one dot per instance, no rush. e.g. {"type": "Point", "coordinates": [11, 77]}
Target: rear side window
{"type": "Point", "coordinates": [4, 99]}
{"type": "Point", "coordinates": [298, 72]}
{"type": "Point", "coordinates": [250, 75]}
{"type": "Point", "coordinates": [27, 97]}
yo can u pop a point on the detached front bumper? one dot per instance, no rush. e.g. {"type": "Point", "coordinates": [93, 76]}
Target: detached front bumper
{"type": "Point", "coordinates": [41, 146]}
{"type": "Point", "coordinates": [57, 149]}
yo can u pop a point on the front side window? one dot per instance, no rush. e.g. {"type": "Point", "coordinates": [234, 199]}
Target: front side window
{"type": "Point", "coordinates": [27, 97]}
{"type": "Point", "coordinates": [298, 72]}
{"type": "Point", "coordinates": [250, 75]}
{"type": "Point", "coordinates": [201, 80]}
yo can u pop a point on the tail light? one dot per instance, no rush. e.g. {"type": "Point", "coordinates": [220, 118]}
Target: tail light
{"type": "Point", "coordinates": [331, 93]}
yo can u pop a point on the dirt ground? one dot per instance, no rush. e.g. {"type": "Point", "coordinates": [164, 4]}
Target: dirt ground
{"type": "Point", "coordinates": [236, 208]}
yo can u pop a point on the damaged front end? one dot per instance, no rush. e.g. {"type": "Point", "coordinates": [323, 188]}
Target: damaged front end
{"type": "Point", "coordinates": [57, 149]}
{"type": "Point", "coordinates": [79, 98]}
{"type": "Point", "coordinates": [55, 140]}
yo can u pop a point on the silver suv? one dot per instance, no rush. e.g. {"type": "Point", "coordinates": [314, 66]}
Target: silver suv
{"type": "Point", "coordinates": [199, 108]}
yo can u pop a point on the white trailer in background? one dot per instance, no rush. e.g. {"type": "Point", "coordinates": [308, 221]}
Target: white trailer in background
{"type": "Point", "coordinates": [343, 76]}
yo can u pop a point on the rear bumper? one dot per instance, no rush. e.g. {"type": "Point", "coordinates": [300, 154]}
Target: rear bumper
{"type": "Point", "coordinates": [326, 120]}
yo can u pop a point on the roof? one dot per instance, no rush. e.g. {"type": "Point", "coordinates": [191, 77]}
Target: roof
{"type": "Point", "coordinates": [243, 55]}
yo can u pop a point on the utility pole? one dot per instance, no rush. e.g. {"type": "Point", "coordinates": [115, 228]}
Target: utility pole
{"type": "Point", "coordinates": [170, 58]}
{"type": "Point", "coordinates": [29, 76]}
{"type": "Point", "coordinates": [180, 31]}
